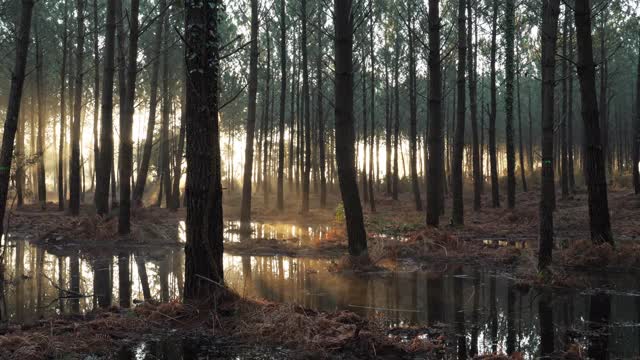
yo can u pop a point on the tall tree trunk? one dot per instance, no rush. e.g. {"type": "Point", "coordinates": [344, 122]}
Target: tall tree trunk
{"type": "Point", "coordinates": [321, 130]}
{"type": "Point", "coordinates": [521, 146]}
{"type": "Point", "coordinates": [125, 157]}
{"type": "Point", "coordinates": [372, 201]}
{"type": "Point", "coordinates": [363, 175]}
{"type": "Point", "coordinates": [604, 112]}
{"type": "Point", "coordinates": [178, 156]}
{"type": "Point", "coordinates": [549, 33]}
{"type": "Point", "coordinates": [245, 205]}
{"type": "Point", "coordinates": [203, 261]}
{"type": "Point", "coordinates": [283, 95]}
{"type": "Point", "coordinates": [635, 164]}
{"type": "Point", "coordinates": [473, 107]}
{"type": "Point", "coordinates": [509, 80]}
{"type": "Point", "coordinates": [396, 117]}
{"type": "Point", "coordinates": [413, 130]}
{"type": "Point", "coordinates": [436, 146]}
{"type": "Point", "coordinates": [266, 120]}
{"type": "Point", "coordinates": [343, 23]}
{"type": "Point", "coordinates": [42, 119]}
{"type": "Point", "coordinates": [495, 186]}
{"type": "Point", "coordinates": [388, 106]}
{"type": "Point", "coordinates": [457, 214]}
{"type": "Point", "coordinates": [20, 156]}
{"type": "Point", "coordinates": [564, 178]}
{"type": "Point", "coordinates": [74, 179]}
{"type": "Point", "coordinates": [138, 191]}
{"type": "Point", "coordinates": [96, 93]}
{"type": "Point", "coordinates": [599, 222]}
{"type": "Point", "coordinates": [105, 163]}
{"type": "Point", "coordinates": [164, 127]}
{"type": "Point", "coordinates": [13, 107]}
{"type": "Point", "coordinates": [63, 108]}
{"type": "Point", "coordinates": [307, 120]}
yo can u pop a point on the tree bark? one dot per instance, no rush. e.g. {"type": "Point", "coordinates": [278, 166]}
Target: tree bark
{"type": "Point", "coordinates": [495, 189]}
{"type": "Point", "coordinates": [549, 33]}
{"type": "Point", "coordinates": [396, 117]}
{"type": "Point", "coordinates": [245, 206]}
{"type": "Point", "coordinates": [13, 107]}
{"type": "Point", "coordinates": [138, 191]}
{"type": "Point", "coordinates": [63, 109]}
{"type": "Point", "coordinates": [564, 178]}
{"type": "Point", "coordinates": [436, 146]}
{"type": "Point", "coordinates": [307, 120]}
{"type": "Point", "coordinates": [96, 92]}
{"type": "Point", "coordinates": [372, 201]}
{"type": "Point", "coordinates": [283, 95]}
{"type": "Point", "coordinates": [473, 108]}
{"type": "Point", "coordinates": [164, 127]}
{"type": "Point", "coordinates": [42, 121]}
{"type": "Point", "coordinates": [204, 247]}
{"type": "Point", "coordinates": [458, 144]}
{"type": "Point", "coordinates": [413, 130]}
{"type": "Point", "coordinates": [321, 130]}
{"type": "Point", "coordinates": [509, 82]}
{"type": "Point", "coordinates": [125, 158]}
{"type": "Point", "coordinates": [105, 162]}
{"type": "Point", "coordinates": [635, 164]}
{"type": "Point", "coordinates": [345, 133]}
{"type": "Point", "coordinates": [74, 179]}
{"type": "Point", "coordinates": [599, 222]}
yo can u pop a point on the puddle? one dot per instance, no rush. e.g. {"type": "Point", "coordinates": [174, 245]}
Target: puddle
{"type": "Point", "coordinates": [479, 309]}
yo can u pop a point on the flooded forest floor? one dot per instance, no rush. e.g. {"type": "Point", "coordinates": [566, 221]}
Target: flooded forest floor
{"type": "Point", "coordinates": [255, 323]}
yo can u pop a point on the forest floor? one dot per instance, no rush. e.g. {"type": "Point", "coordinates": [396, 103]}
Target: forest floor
{"type": "Point", "coordinates": [234, 328]}
{"type": "Point", "coordinates": [396, 231]}
{"type": "Point", "coordinates": [496, 237]}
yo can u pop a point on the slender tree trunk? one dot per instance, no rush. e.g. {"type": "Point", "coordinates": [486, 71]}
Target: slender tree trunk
{"type": "Point", "coordinates": [458, 145]}
{"type": "Point", "coordinates": [307, 116]}
{"type": "Point", "coordinates": [321, 129]}
{"type": "Point", "coordinates": [635, 163]}
{"type": "Point", "coordinates": [473, 107]}
{"type": "Point", "coordinates": [372, 201]}
{"type": "Point", "coordinates": [396, 123]}
{"type": "Point", "coordinates": [164, 128]}
{"type": "Point", "coordinates": [413, 117]}
{"type": "Point", "coordinates": [549, 33]}
{"type": "Point", "coordinates": [364, 186]}
{"type": "Point", "coordinates": [125, 157]}
{"type": "Point", "coordinates": [203, 261]}
{"type": "Point", "coordinates": [20, 156]}
{"type": "Point", "coordinates": [509, 80]}
{"type": "Point", "coordinates": [13, 107]}
{"type": "Point", "coordinates": [104, 168]}
{"type": "Point", "coordinates": [521, 147]}
{"type": "Point", "coordinates": [245, 207]}
{"type": "Point", "coordinates": [436, 146]}
{"type": "Point", "coordinates": [42, 120]}
{"type": "Point", "coordinates": [63, 108]}
{"type": "Point", "coordinates": [495, 189]}
{"type": "Point", "coordinates": [138, 191]}
{"type": "Point", "coordinates": [266, 120]}
{"type": "Point", "coordinates": [343, 23]}
{"type": "Point", "coordinates": [74, 179]}
{"type": "Point", "coordinates": [564, 179]}
{"type": "Point", "coordinates": [96, 93]}
{"type": "Point", "coordinates": [388, 169]}
{"type": "Point", "coordinates": [604, 112]}
{"type": "Point", "coordinates": [283, 95]}
{"type": "Point", "coordinates": [179, 154]}
{"type": "Point", "coordinates": [599, 222]}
